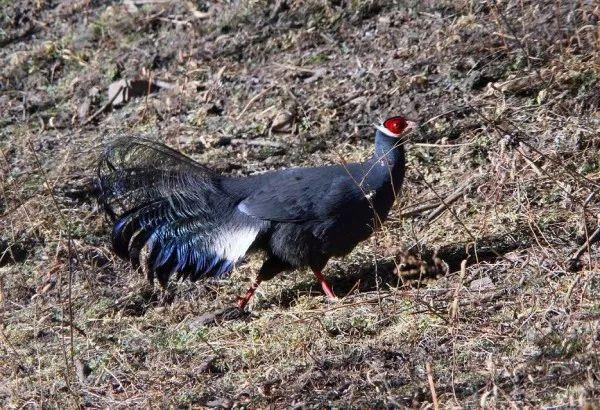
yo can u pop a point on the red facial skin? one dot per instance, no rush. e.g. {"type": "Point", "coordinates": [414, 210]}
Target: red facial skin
{"type": "Point", "coordinates": [396, 125]}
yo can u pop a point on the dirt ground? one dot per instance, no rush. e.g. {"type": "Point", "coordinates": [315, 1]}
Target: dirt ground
{"type": "Point", "coordinates": [504, 174]}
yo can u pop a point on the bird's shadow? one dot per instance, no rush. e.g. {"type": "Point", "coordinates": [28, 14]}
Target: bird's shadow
{"type": "Point", "coordinates": [365, 278]}
{"type": "Point", "coordinates": [404, 269]}
{"type": "Point", "coordinates": [408, 269]}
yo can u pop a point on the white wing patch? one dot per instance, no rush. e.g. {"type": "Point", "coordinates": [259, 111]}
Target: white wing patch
{"type": "Point", "coordinates": [233, 243]}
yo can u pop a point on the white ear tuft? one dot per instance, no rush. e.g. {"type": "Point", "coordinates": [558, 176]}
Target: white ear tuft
{"type": "Point", "coordinates": [385, 131]}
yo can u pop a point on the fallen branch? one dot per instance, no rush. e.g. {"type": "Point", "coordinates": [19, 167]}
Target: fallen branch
{"type": "Point", "coordinates": [257, 142]}
{"type": "Point", "coordinates": [450, 199]}
{"type": "Point", "coordinates": [103, 108]}
{"type": "Point", "coordinates": [593, 238]}
{"type": "Point", "coordinates": [419, 209]}
{"type": "Point", "coordinates": [434, 398]}
{"type": "Point", "coordinates": [531, 163]}
{"type": "Point", "coordinates": [254, 99]}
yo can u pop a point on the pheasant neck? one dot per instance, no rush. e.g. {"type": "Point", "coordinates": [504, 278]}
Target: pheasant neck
{"type": "Point", "coordinates": [388, 148]}
{"type": "Point", "coordinates": [389, 154]}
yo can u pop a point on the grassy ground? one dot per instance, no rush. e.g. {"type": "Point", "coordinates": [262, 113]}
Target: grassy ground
{"type": "Point", "coordinates": [508, 99]}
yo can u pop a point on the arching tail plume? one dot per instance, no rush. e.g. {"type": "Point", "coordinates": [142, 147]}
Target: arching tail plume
{"type": "Point", "coordinates": [171, 215]}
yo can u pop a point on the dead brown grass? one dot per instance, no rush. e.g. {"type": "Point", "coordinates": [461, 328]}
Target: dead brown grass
{"type": "Point", "coordinates": [508, 98]}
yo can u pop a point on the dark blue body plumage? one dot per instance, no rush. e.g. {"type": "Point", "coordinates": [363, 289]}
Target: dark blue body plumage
{"type": "Point", "coordinates": [174, 216]}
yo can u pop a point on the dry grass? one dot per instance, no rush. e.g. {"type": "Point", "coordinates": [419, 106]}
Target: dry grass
{"type": "Point", "coordinates": [508, 96]}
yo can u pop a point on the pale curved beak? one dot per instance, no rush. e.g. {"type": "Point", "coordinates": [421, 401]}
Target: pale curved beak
{"type": "Point", "coordinates": [411, 125]}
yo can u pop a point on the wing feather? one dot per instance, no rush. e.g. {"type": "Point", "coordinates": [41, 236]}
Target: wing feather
{"type": "Point", "coordinates": [305, 194]}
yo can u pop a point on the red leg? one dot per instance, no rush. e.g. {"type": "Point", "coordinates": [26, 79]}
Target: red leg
{"type": "Point", "coordinates": [243, 301]}
{"type": "Point", "coordinates": [325, 285]}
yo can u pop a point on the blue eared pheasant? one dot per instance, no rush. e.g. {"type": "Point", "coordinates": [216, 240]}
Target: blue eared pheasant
{"type": "Point", "coordinates": [175, 217]}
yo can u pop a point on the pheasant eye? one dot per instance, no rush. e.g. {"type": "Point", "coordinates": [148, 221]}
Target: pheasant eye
{"type": "Point", "coordinates": [395, 124]}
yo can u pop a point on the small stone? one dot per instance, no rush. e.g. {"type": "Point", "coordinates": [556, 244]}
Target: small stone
{"type": "Point", "coordinates": [482, 284]}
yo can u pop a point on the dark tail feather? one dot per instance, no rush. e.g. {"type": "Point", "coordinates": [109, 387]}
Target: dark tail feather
{"type": "Point", "coordinates": [170, 212]}
{"type": "Point", "coordinates": [174, 244]}
{"type": "Point", "coordinates": [138, 221]}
